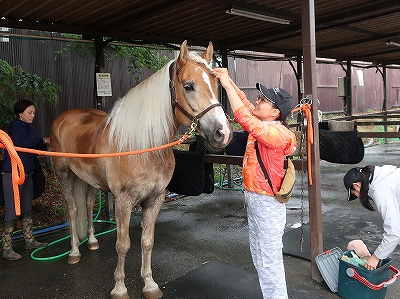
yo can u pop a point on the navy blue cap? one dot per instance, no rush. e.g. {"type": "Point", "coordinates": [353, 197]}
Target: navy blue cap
{"type": "Point", "coordinates": [351, 177]}
{"type": "Point", "coordinates": [278, 96]}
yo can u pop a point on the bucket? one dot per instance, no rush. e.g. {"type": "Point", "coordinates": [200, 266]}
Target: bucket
{"type": "Point", "coordinates": [360, 283]}
{"type": "Point", "coordinates": [328, 266]}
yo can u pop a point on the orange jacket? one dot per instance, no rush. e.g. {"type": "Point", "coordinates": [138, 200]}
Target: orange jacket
{"type": "Point", "coordinates": [275, 141]}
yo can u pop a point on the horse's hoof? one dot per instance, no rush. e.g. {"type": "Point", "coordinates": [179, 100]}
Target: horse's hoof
{"type": "Point", "coordinates": [123, 296]}
{"type": "Point", "coordinates": [73, 259]}
{"type": "Point", "coordinates": [93, 246]}
{"type": "Point", "coordinates": [153, 295]}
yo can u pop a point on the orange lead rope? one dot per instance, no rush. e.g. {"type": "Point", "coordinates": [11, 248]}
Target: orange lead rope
{"type": "Point", "coordinates": [306, 109]}
{"type": "Point", "coordinates": [18, 172]}
{"type": "Point", "coordinates": [17, 169]}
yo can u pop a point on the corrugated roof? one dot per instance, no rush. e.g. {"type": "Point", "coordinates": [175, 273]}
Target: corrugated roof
{"type": "Point", "coordinates": [345, 30]}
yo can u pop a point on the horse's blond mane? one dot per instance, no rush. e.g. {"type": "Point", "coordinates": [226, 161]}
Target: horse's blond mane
{"type": "Point", "coordinates": [143, 117]}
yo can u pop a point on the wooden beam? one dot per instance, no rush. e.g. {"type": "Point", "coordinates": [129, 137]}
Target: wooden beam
{"type": "Point", "coordinates": [378, 134]}
{"type": "Point", "coordinates": [223, 159]}
{"type": "Point", "coordinates": [377, 123]}
{"type": "Point", "coordinates": [381, 115]}
{"type": "Point", "coordinates": [238, 160]}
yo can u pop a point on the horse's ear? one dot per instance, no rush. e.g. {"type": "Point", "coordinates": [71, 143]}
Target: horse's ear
{"type": "Point", "coordinates": [184, 53]}
{"type": "Point", "coordinates": [208, 53]}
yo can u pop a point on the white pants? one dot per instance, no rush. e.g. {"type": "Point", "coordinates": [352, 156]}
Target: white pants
{"type": "Point", "coordinates": [267, 219]}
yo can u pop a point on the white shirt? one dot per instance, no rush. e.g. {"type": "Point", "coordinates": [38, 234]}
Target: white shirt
{"type": "Point", "coordinates": [385, 192]}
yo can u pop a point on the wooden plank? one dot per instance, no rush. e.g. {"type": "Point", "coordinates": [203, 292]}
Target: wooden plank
{"type": "Point", "coordinates": [223, 159]}
{"type": "Point", "coordinates": [238, 160]}
{"type": "Point", "coordinates": [299, 164]}
{"type": "Point", "coordinates": [378, 134]}
{"type": "Point", "coordinates": [384, 114]}
{"type": "Point", "coordinates": [375, 116]}
{"type": "Point", "coordinates": [368, 123]}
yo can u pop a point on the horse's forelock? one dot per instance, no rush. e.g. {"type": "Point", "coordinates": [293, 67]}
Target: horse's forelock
{"type": "Point", "coordinates": [197, 58]}
{"type": "Point", "coordinates": [143, 117]}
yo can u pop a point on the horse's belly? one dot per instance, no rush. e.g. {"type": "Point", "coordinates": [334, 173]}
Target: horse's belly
{"type": "Point", "coordinates": [139, 178]}
{"type": "Point", "coordinates": [95, 179]}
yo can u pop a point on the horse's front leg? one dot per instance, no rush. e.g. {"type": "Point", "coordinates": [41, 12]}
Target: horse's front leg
{"type": "Point", "coordinates": [122, 217]}
{"type": "Point", "coordinates": [92, 244]}
{"type": "Point", "coordinates": [150, 210]}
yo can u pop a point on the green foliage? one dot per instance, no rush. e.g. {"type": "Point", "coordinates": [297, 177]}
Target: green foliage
{"type": "Point", "coordinates": [17, 84]}
{"type": "Point", "coordinates": [136, 57]}
{"type": "Point", "coordinates": [139, 57]}
{"type": "Point", "coordinates": [77, 46]}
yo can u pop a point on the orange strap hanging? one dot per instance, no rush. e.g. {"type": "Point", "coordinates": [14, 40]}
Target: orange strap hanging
{"type": "Point", "coordinates": [17, 169]}
{"type": "Point", "coordinates": [306, 109]}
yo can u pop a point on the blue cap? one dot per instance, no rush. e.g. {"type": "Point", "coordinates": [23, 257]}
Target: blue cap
{"type": "Point", "coordinates": [278, 96]}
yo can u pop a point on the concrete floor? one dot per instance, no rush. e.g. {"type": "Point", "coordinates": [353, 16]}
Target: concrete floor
{"type": "Point", "coordinates": [201, 247]}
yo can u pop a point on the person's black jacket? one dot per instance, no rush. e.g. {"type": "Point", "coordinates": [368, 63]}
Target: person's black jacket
{"type": "Point", "coordinates": [23, 135]}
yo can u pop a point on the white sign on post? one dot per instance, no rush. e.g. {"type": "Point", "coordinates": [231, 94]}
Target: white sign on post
{"type": "Point", "coordinates": [103, 82]}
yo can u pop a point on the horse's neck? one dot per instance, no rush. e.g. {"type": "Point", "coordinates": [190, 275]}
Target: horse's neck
{"type": "Point", "coordinates": [143, 117]}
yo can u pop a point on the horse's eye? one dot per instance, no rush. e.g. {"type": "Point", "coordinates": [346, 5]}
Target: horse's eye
{"type": "Point", "coordinates": [188, 87]}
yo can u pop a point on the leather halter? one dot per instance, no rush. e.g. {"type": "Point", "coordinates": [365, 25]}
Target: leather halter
{"type": "Point", "coordinates": [175, 103]}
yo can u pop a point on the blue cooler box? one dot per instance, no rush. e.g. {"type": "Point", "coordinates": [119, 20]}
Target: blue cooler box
{"type": "Point", "coordinates": [350, 277]}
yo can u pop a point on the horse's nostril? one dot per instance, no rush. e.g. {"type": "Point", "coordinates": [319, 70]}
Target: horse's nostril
{"type": "Point", "coordinates": [219, 135]}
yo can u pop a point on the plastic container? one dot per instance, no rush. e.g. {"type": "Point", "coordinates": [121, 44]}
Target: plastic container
{"type": "Point", "coordinates": [360, 283]}
{"type": "Point", "coordinates": [328, 266]}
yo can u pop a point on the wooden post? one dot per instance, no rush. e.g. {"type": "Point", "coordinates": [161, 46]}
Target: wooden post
{"type": "Point", "coordinates": [310, 90]}
{"type": "Point", "coordinates": [299, 78]}
{"type": "Point", "coordinates": [224, 98]}
{"type": "Point", "coordinates": [99, 104]}
{"type": "Point", "coordinates": [98, 68]}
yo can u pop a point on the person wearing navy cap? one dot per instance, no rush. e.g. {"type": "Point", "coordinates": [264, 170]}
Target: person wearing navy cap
{"type": "Point", "coordinates": [378, 185]}
{"type": "Point", "coordinates": [278, 97]}
{"type": "Point", "coordinates": [266, 216]}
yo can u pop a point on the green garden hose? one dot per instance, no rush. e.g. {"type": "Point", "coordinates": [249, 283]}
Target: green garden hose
{"type": "Point", "coordinates": [66, 237]}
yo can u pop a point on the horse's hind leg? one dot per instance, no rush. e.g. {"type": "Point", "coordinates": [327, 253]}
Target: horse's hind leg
{"type": "Point", "coordinates": [67, 180]}
{"type": "Point", "coordinates": [150, 210]}
{"type": "Point", "coordinates": [92, 244]}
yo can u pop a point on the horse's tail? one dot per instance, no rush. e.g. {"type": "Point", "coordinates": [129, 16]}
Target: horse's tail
{"type": "Point", "coordinates": [80, 194]}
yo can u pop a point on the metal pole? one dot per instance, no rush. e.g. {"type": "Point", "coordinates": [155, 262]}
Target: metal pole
{"type": "Point", "coordinates": [349, 98]}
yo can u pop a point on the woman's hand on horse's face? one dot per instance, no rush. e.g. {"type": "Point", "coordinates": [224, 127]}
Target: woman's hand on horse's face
{"type": "Point", "coordinates": [223, 76]}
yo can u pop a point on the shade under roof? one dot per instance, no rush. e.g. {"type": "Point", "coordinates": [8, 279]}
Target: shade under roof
{"type": "Point", "coordinates": [345, 30]}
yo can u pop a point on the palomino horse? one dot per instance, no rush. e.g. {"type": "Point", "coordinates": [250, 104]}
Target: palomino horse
{"type": "Point", "coordinates": [147, 116]}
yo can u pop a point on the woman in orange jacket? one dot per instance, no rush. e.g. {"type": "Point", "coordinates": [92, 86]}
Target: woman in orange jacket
{"type": "Point", "coordinates": [264, 122]}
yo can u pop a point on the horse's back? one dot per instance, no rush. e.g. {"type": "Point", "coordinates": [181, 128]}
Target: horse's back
{"type": "Point", "coordinates": [77, 130]}
{"type": "Point", "coordinates": [76, 117]}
